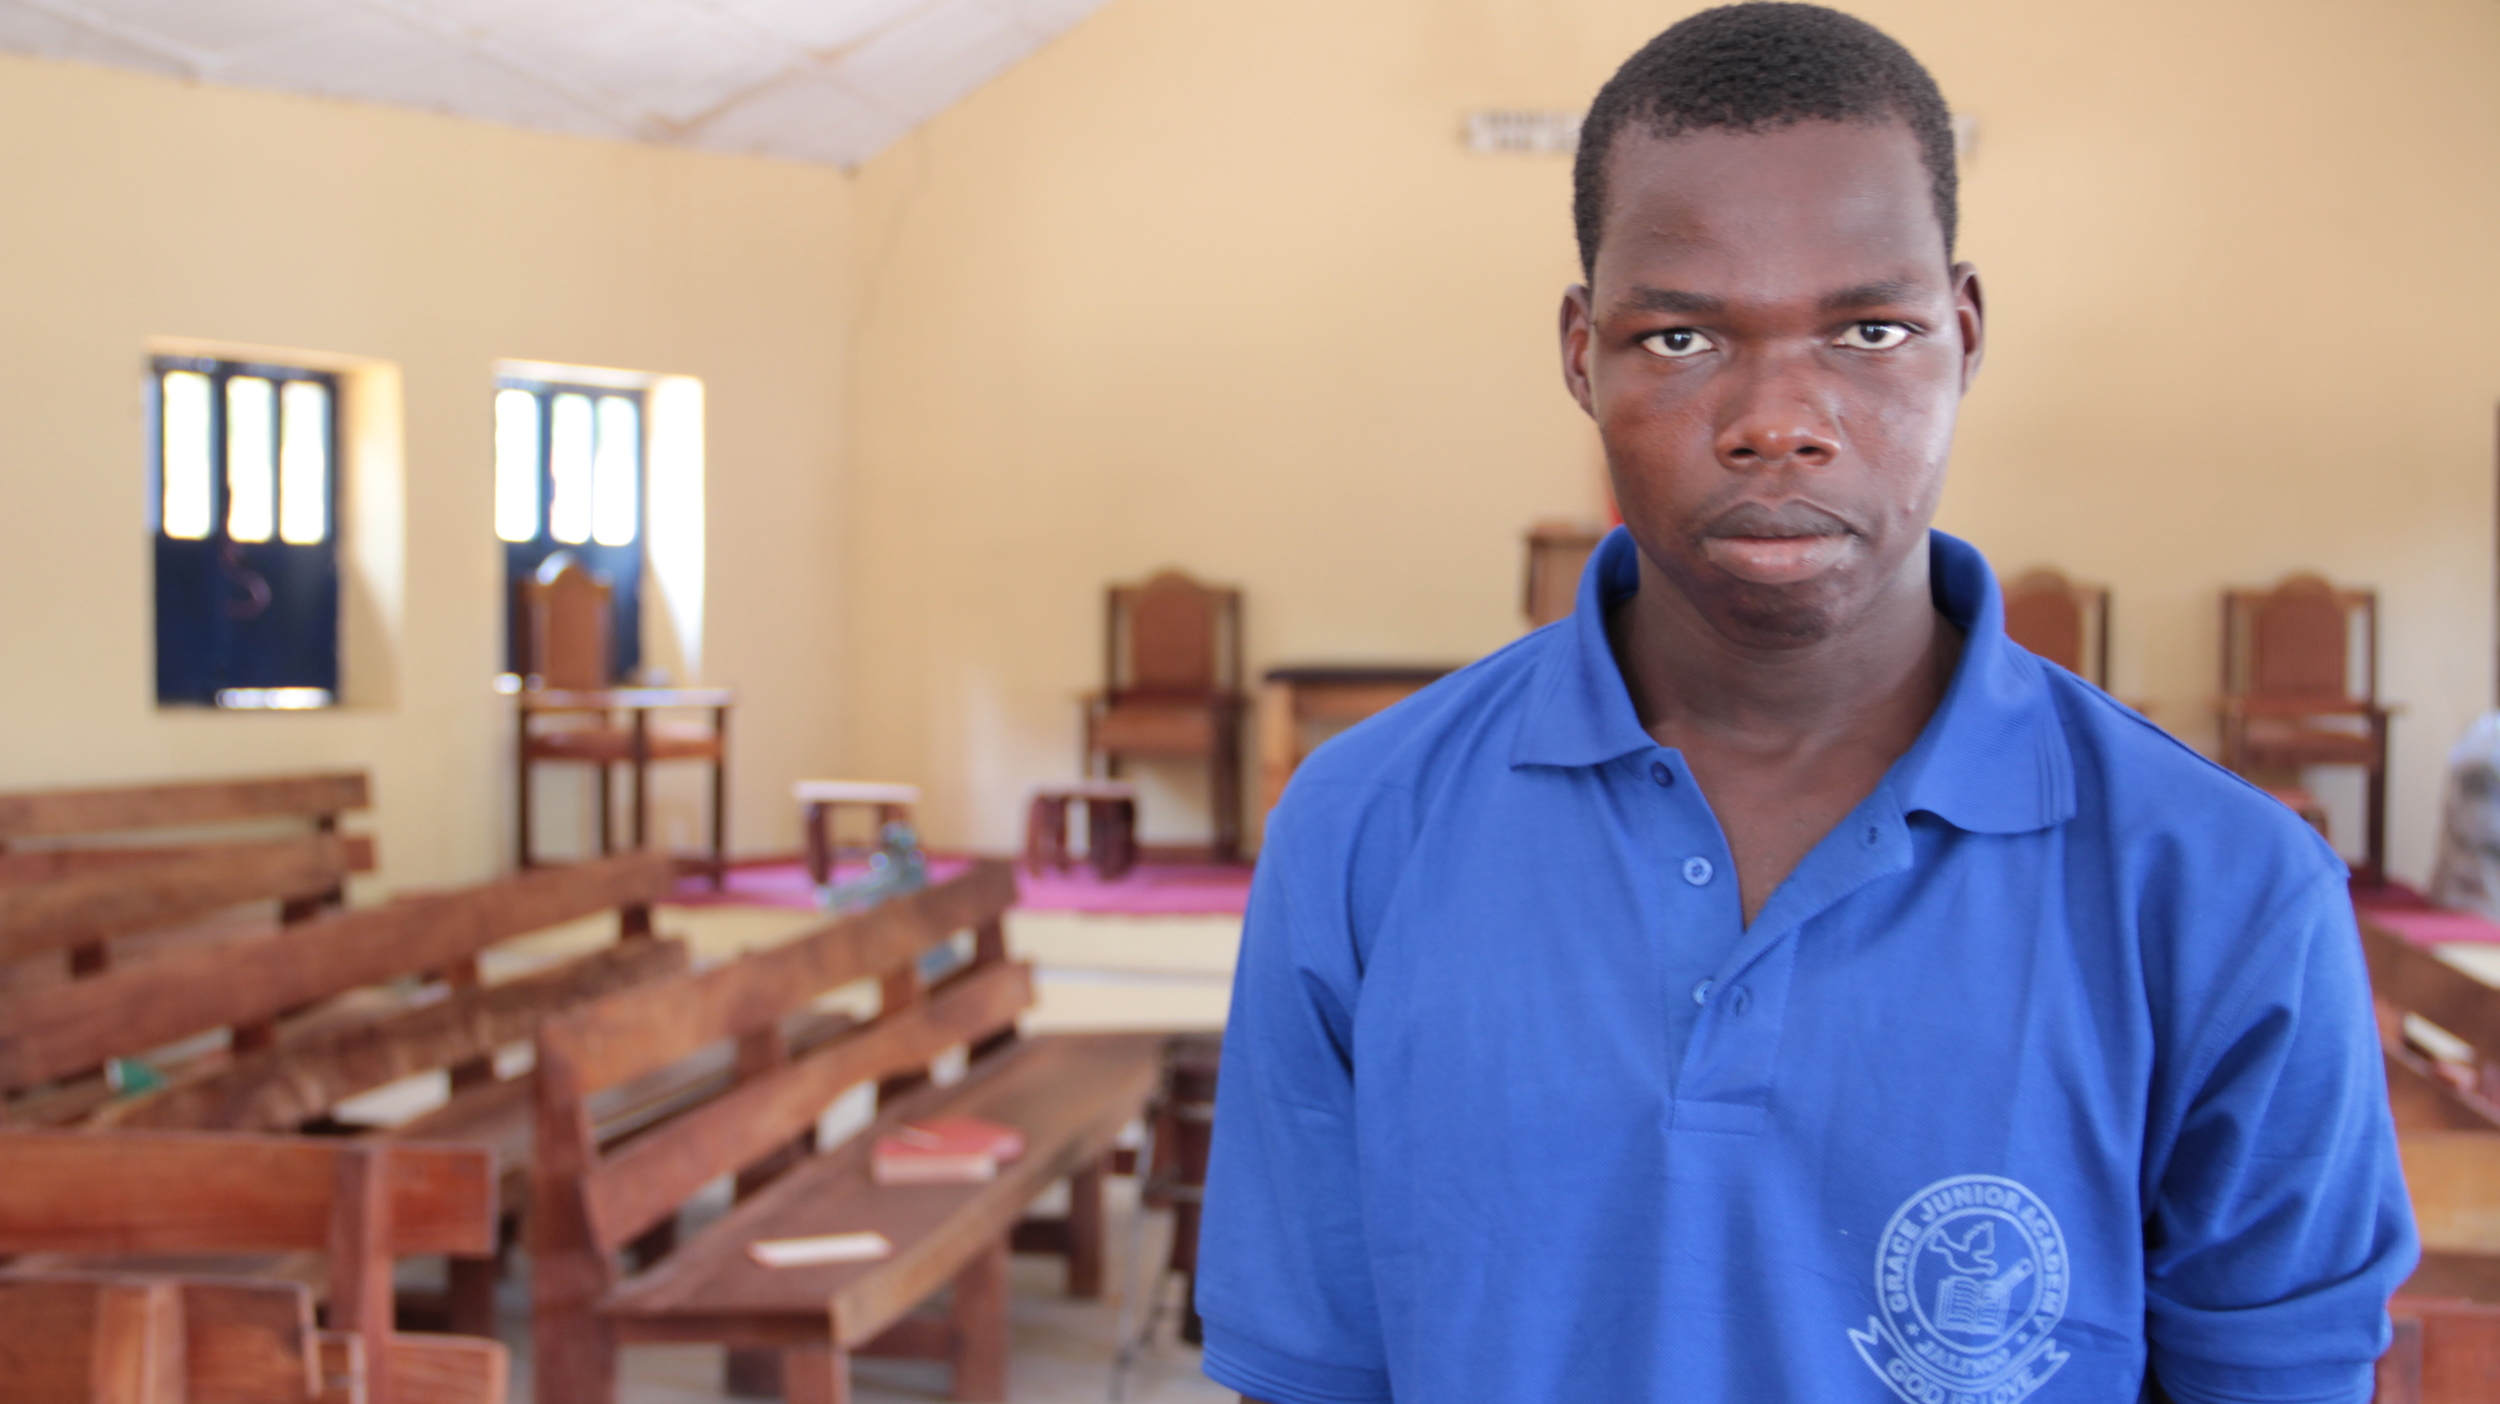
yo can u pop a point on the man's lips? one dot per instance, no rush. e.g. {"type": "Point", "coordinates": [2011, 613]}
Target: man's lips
{"type": "Point", "coordinates": [1775, 560]}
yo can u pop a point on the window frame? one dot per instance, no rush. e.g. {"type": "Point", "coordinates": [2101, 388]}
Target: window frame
{"type": "Point", "coordinates": [196, 662]}
{"type": "Point", "coordinates": [625, 563]}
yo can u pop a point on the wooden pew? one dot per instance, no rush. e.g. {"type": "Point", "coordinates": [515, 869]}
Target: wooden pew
{"type": "Point", "coordinates": [2447, 1348]}
{"type": "Point", "coordinates": [1069, 1095]}
{"type": "Point", "coordinates": [82, 869]}
{"type": "Point", "coordinates": [94, 1338]}
{"type": "Point", "coordinates": [365, 1038]}
{"type": "Point", "coordinates": [361, 1206]}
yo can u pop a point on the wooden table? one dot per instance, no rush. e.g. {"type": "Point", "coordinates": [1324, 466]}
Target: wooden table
{"type": "Point", "coordinates": [1292, 698]}
{"type": "Point", "coordinates": [634, 744]}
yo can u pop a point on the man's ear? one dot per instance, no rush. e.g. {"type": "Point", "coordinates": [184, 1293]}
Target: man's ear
{"type": "Point", "coordinates": [1577, 332]}
{"type": "Point", "coordinates": [1970, 312]}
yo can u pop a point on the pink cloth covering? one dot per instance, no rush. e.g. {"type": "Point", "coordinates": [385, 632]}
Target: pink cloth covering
{"type": "Point", "coordinates": [1149, 889]}
{"type": "Point", "coordinates": [2409, 914]}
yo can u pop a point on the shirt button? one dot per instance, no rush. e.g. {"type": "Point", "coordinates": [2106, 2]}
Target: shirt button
{"type": "Point", "coordinates": [1701, 992]}
{"type": "Point", "coordinates": [1697, 870]}
{"type": "Point", "coordinates": [1874, 835]}
{"type": "Point", "coordinates": [1658, 771]}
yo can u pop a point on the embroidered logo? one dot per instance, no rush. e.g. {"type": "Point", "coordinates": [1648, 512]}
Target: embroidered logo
{"type": "Point", "coordinates": [1970, 1283]}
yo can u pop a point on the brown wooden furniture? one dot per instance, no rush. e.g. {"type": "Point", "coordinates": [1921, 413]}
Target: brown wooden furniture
{"type": "Point", "coordinates": [1296, 699]}
{"type": "Point", "coordinates": [1068, 1095]}
{"type": "Point", "coordinates": [2292, 696]}
{"type": "Point", "coordinates": [570, 677]}
{"type": "Point", "coordinates": [163, 1194]}
{"type": "Point", "coordinates": [389, 992]}
{"type": "Point", "coordinates": [2444, 1085]}
{"type": "Point", "coordinates": [68, 859]}
{"type": "Point", "coordinates": [821, 800]}
{"type": "Point", "coordinates": [2063, 622]}
{"type": "Point", "coordinates": [1558, 552]}
{"type": "Point", "coordinates": [92, 1338]}
{"type": "Point", "coordinates": [1172, 682]}
{"type": "Point", "coordinates": [1110, 827]}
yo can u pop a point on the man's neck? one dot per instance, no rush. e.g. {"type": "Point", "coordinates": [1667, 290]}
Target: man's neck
{"type": "Point", "coordinates": [1879, 677]}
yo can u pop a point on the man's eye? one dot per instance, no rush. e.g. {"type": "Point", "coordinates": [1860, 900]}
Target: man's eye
{"type": "Point", "coordinates": [1874, 336]}
{"type": "Point", "coordinates": [1675, 343]}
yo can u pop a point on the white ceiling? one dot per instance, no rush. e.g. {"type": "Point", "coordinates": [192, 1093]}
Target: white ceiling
{"type": "Point", "coordinates": [814, 80]}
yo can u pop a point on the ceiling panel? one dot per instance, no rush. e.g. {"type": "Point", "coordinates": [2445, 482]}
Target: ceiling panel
{"type": "Point", "coordinates": [813, 80]}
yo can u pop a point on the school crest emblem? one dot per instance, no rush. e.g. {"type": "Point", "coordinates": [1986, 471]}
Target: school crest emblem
{"type": "Point", "coordinates": [1970, 1283]}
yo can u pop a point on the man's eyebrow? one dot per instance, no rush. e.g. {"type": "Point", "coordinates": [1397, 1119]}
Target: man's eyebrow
{"type": "Point", "coordinates": [1648, 299]}
{"type": "Point", "coordinates": [1877, 294]}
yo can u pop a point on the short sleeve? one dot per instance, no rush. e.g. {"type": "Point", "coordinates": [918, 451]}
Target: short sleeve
{"type": "Point", "coordinates": [1284, 1282]}
{"type": "Point", "coordinates": [2278, 1225]}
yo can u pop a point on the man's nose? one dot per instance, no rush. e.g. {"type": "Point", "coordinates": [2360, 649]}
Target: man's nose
{"type": "Point", "coordinates": [1775, 419]}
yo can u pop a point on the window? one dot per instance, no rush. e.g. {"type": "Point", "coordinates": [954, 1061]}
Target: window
{"type": "Point", "coordinates": [568, 478]}
{"type": "Point", "coordinates": [245, 508]}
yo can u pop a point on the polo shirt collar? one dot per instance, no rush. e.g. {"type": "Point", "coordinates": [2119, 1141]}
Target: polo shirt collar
{"type": "Point", "coordinates": [1993, 759]}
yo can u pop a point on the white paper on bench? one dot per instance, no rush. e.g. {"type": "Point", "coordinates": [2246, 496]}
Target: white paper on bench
{"type": "Point", "coordinates": [823, 1248]}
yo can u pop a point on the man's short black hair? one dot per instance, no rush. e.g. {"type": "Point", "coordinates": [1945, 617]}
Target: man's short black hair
{"type": "Point", "coordinates": [1756, 67]}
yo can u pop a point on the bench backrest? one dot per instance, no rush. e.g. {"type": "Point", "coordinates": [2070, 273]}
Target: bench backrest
{"type": "Point", "coordinates": [361, 1205]}
{"type": "Point", "coordinates": [2427, 1091]}
{"type": "Point", "coordinates": [54, 814]}
{"type": "Point", "coordinates": [123, 1012]}
{"type": "Point", "coordinates": [587, 1204]}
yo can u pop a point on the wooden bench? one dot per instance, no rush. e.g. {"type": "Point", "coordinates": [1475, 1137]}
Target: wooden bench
{"type": "Point", "coordinates": [382, 1012]}
{"type": "Point", "coordinates": [2441, 1083]}
{"type": "Point", "coordinates": [74, 877]}
{"type": "Point", "coordinates": [361, 1206]}
{"type": "Point", "coordinates": [1068, 1095]}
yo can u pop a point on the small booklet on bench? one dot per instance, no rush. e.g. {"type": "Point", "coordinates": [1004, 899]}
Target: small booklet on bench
{"type": "Point", "coordinates": [944, 1151]}
{"type": "Point", "coordinates": [860, 1247]}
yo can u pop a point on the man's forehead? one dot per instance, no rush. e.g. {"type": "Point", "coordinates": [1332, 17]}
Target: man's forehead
{"type": "Point", "coordinates": [1828, 205]}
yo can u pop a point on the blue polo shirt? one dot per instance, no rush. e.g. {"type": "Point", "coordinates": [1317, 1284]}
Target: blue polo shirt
{"type": "Point", "coordinates": [2052, 1064]}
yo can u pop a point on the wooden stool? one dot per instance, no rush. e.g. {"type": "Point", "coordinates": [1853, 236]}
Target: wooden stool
{"type": "Point", "coordinates": [818, 799]}
{"type": "Point", "coordinates": [1110, 827]}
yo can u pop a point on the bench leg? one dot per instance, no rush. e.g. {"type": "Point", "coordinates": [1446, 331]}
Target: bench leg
{"type": "Point", "coordinates": [816, 1375]}
{"type": "Point", "coordinates": [1085, 1232]}
{"type": "Point", "coordinates": [472, 1296]}
{"type": "Point", "coordinates": [574, 1358]}
{"type": "Point", "coordinates": [980, 1312]}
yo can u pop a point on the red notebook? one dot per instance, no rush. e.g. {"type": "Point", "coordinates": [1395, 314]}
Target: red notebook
{"type": "Point", "coordinates": [944, 1150]}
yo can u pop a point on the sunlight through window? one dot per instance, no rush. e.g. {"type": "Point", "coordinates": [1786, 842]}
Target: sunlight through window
{"type": "Point", "coordinates": [304, 464]}
{"type": "Point", "coordinates": [516, 465]}
{"type": "Point", "coordinates": [569, 458]}
{"type": "Point", "coordinates": [183, 413]}
{"type": "Point", "coordinates": [251, 458]}
{"type": "Point", "coordinates": [616, 477]}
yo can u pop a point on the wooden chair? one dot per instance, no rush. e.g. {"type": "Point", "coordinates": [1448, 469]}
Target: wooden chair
{"type": "Point", "coordinates": [571, 676]}
{"type": "Point", "coordinates": [1172, 689]}
{"type": "Point", "coordinates": [2290, 698]}
{"type": "Point", "coordinates": [160, 1194]}
{"type": "Point", "coordinates": [2063, 622]}
{"type": "Point", "coordinates": [1557, 554]}
{"type": "Point", "coordinates": [1068, 1095]}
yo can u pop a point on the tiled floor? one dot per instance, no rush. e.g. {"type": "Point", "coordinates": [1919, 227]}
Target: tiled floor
{"type": "Point", "coordinates": [1094, 972]}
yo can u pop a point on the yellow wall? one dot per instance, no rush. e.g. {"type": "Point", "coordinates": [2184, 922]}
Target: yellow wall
{"type": "Point", "coordinates": [140, 209]}
{"type": "Point", "coordinates": [1215, 285]}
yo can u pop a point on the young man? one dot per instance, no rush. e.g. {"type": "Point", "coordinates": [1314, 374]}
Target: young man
{"type": "Point", "coordinates": [1771, 983]}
